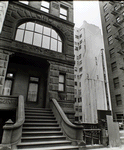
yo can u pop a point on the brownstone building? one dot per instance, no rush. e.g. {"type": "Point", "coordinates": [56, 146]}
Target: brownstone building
{"type": "Point", "coordinates": [37, 62]}
{"type": "Point", "coordinates": [37, 55]}
{"type": "Point", "coordinates": [112, 17]}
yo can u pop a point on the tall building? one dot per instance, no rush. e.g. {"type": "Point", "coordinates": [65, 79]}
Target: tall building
{"type": "Point", "coordinates": [112, 17]}
{"type": "Point", "coordinates": [90, 88]}
{"type": "Point", "coordinates": [37, 62]}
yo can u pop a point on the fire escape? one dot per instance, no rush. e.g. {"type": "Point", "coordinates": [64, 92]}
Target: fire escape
{"type": "Point", "coordinates": [118, 11]}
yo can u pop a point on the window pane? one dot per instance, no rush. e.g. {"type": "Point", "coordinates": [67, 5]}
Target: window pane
{"type": "Point", "coordinates": [63, 11]}
{"type": "Point", "coordinates": [61, 87]}
{"type": "Point", "coordinates": [46, 42]}
{"type": "Point", "coordinates": [63, 17]}
{"type": "Point", "coordinates": [19, 35]}
{"type": "Point", "coordinates": [24, 2]}
{"type": "Point", "coordinates": [46, 31]}
{"type": "Point", "coordinates": [28, 37]}
{"type": "Point", "coordinates": [53, 44]}
{"type": "Point", "coordinates": [44, 9]}
{"type": "Point", "coordinates": [37, 39]}
{"type": "Point", "coordinates": [38, 28]}
{"type": "Point", "coordinates": [45, 4]}
{"type": "Point", "coordinates": [54, 34]}
{"type": "Point", "coordinates": [59, 46]}
{"type": "Point", "coordinates": [61, 78]}
{"type": "Point", "coordinates": [34, 79]}
{"type": "Point", "coordinates": [22, 26]}
{"type": "Point", "coordinates": [59, 38]}
{"type": "Point", "coordinates": [7, 87]}
{"type": "Point", "coordinates": [32, 92]}
{"type": "Point", "coordinates": [30, 26]}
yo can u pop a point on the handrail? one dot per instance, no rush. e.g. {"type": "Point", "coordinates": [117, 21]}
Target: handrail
{"type": "Point", "coordinates": [21, 115]}
{"type": "Point", "coordinates": [12, 132]}
{"type": "Point", "coordinates": [71, 131]}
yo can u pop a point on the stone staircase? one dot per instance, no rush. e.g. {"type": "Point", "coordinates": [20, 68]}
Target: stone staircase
{"type": "Point", "coordinates": [42, 132]}
{"type": "Point", "coordinates": [122, 136]}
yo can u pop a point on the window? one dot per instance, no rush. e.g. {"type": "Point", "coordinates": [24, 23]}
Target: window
{"type": "Point", "coordinates": [80, 69]}
{"type": "Point", "coordinates": [79, 56]}
{"type": "Point", "coordinates": [79, 84]}
{"type": "Point", "coordinates": [75, 69]}
{"type": "Point", "coordinates": [80, 35]}
{"type": "Point", "coordinates": [96, 60]}
{"type": "Point", "coordinates": [80, 47]}
{"type": "Point", "coordinates": [116, 7]}
{"type": "Point", "coordinates": [79, 92]}
{"type": "Point", "coordinates": [80, 62]}
{"type": "Point", "coordinates": [61, 82]}
{"type": "Point", "coordinates": [33, 89]}
{"type": "Point", "coordinates": [113, 66]}
{"type": "Point", "coordinates": [107, 17]}
{"type": "Point", "coordinates": [24, 2]}
{"type": "Point", "coordinates": [80, 41]}
{"type": "Point", "coordinates": [76, 48]}
{"type": "Point", "coordinates": [116, 82]}
{"type": "Point", "coordinates": [108, 28]}
{"type": "Point", "coordinates": [105, 7]}
{"type": "Point", "coordinates": [110, 40]}
{"type": "Point", "coordinates": [118, 19]}
{"type": "Point", "coordinates": [63, 12]}
{"type": "Point", "coordinates": [76, 36]}
{"type": "Point", "coordinates": [75, 83]}
{"type": "Point", "coordinates": [120, 117]}
{"type": "Point", "coordinates": [45, 6]}
{"type": "Point", "coordinates": [8, 84]}
{"type": "Point", "coordinates": [78, 76]}
{"type": "Point", "coordinates": [112, 53]}
{"type": "Point", "coordinates": [76, 43]}
{"type": "Point", "coordinates": [118, 99]}
{"type": "Point", "coordinates": [39, 35]}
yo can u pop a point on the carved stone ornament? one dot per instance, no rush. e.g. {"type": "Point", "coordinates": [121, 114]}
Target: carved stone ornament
{"type": "Point", "coordinates": [7, 100]}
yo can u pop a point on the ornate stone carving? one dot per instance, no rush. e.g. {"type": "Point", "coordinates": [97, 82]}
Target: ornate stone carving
{"type": "Point", "coordinates": [8, 100]}
{"type": "Point", "coordinates": [54, 5]}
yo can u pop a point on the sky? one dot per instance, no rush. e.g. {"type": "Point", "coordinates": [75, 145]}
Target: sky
{"type": "Point", "coordinates": [88, 11]}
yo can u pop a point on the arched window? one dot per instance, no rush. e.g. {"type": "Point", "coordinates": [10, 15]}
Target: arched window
{"type": "Point", "coordinates": [39, 35]}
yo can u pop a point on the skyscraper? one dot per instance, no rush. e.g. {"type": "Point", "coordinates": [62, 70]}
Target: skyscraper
{"type": "Point", "coordinates": [90, 90]}
{"type": "Point", "coordinates": [112, 17]}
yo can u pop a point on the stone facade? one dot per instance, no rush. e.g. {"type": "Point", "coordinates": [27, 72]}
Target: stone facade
{"type": "Point", "coordinates": [55, 62]}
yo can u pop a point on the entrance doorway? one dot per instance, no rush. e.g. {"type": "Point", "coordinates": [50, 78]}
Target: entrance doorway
{"type": "Point", "coordinates": [27, 76]}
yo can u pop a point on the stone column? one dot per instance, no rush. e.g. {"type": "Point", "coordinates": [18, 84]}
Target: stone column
{"type": "Point", "coordinates": [4, 59]}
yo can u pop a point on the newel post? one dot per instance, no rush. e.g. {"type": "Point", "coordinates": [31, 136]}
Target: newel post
{"type": "Point", "coordinates": [7, 134]}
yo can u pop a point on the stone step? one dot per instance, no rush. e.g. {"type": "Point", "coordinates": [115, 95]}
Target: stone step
{"type": "Point", "coordinates": [42, 138]}
{"type": "Point", "coordinates": [49, 124]}
{"type": "Point", "coordinates": [39, 114]}
{"type": "Point", "coordinates": [38, 111]}
{"type": "Point", "coordinates": [43, 144]}
{"type": "Point", "coordinates": [41, 133]}
{"type": "Point", "coordinates": [34, 108]}
{"type": "Point", "coordinates": [31, 120]}
{"type": "Point", "coordinates": [39, 117]}
{"type": "Point", "coordinates": [42, 128]}
{"type": "Point", "coordinates": [55, 148]}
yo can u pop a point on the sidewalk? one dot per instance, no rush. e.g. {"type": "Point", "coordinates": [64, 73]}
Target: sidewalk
{"type": "Point", "coordinates": [111, 148]}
